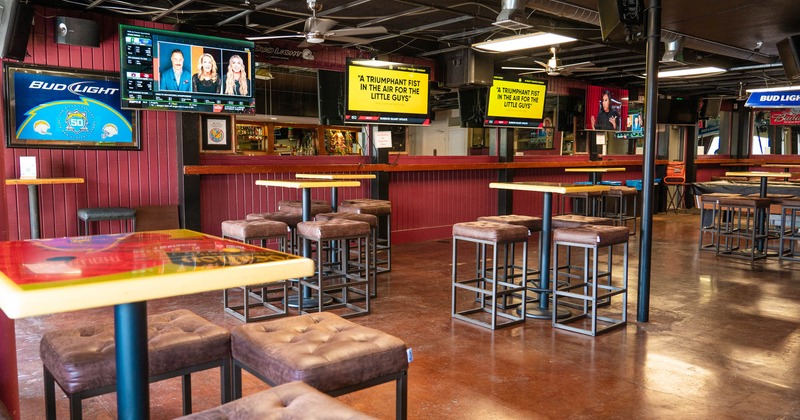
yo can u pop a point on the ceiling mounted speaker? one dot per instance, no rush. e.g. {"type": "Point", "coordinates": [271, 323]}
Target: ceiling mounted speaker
{"type": "Point", "coordinates": [15, 28]}
{"type": "Point", "coordinates": [789, 51]}
{"type": "Point", "coordinates": [74, 31]}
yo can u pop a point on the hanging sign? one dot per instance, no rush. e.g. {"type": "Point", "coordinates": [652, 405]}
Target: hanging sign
{"type": "Point", "coordinates": [784, 117]}
{"type": "Point", "coordinates": [776, 99]}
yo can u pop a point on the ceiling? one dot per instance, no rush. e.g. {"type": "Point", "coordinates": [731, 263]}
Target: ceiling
{"type": "Point", "coordinates": [738, 35]}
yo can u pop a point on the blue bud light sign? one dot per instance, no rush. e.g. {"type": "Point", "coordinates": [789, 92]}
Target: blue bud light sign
{"type": "Point", "coordinates": [51, 108]}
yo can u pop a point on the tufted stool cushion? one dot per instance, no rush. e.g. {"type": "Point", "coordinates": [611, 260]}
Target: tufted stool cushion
{"type": "Point", "coordinates": [621, 191]}
{"type": "Point", "coordinates": [294, 400]}
{"type": "Point", "coordinates": [534, 224]}
{"type": "Point", "coordinates": [291, 219]}
{"type": "Point", "coordinates": [574, 220]}
{"type": "Point", "coordinates": [752, 202]}
{"type": "Point", "coordinates": [491, 231]}
{"type": "Point", "coordinates": [247, 229]}
{"type": "Point", "coordinates": [376, 207]}
{"type": "Point", "coordinates": [296, 206]}
{"type": "Point", "coordinates": [332, 229]}
{"type": "Point", "coordinates": [370, 219]}
{"type": "Point", "coordinates": [324, 350]}
{"type": "Point", "coordinates": [598, 235]}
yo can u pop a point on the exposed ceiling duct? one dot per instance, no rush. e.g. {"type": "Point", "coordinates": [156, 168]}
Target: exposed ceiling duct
{"type": "Point", "coordinates": [673, 50]}
{"type": "Point", "coordinates": [568, 11]}
{"type": "Point", "coordinates": [512, 15]}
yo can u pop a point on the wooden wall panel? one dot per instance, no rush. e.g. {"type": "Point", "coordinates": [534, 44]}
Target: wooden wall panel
{"type": "Point", "coordinates": [113, 178]}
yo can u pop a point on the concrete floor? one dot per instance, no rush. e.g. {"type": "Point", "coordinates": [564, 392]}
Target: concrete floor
{"type": "Point", "coordinates": [722, 341]}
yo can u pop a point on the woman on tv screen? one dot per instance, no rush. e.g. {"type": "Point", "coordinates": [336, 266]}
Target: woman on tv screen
{"type": "Point", "coordinates": [607, 117]}
{"type": "Point", "coordinates": [206, 79]}
{"type": "Point", "coordinates": [236, 82]}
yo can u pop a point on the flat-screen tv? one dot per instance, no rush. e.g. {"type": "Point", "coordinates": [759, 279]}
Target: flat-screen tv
{"type": "Point", "coordinates": [515, 102]}
{"type": "Point", "coordinates": [174, 71]}
{"type": "Point", "coordinates": [380, 92]}
{"type": "Point", "coordinates": [677, 111]}
{"type": "Point", "coordinates": [472, 106]}
{"type": "Point", "coordinates": [330, 97]}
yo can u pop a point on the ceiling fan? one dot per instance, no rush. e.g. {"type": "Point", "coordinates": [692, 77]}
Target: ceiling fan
{"type": "Point", "coordinates": [553, 66]}
{"type": "Point", "coordinates": [317, 30]}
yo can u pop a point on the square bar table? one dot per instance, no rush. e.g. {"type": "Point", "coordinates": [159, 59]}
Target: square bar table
{"type": "Point", "coordinates": [306, 186]}
{"type": "Point", "coordinates": [338, 177]}
{"type": "Point", "coordinates": [33, 196]}
{"type": "Point", "coordinates": [762, 192]}
{"type": "Point", "coordinates": [48, 276]}
{"type": "Point", "coordinates": [595, 174]}
{"type": "Point", "coordinates": [548, 188]}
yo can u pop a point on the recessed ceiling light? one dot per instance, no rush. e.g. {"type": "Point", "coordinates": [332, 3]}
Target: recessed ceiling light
{"type": "Point", "coordinates": [522, 42]}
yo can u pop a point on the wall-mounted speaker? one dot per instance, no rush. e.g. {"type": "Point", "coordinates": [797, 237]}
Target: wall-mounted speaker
{"type": "Point", "coordinates": [74, 31]}
{"type": "Point", "coordinates": [16, 20]}
{"type": "Point", "coordinates": [617, 16]}
{"type": "Point", "coordinates": [789, 51]}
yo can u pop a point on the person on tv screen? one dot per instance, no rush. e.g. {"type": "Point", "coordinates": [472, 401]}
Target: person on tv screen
{"type": "Point", "coordinates": [236, 82]}
{"type": "Point", "coordinates": [607, 117]}
{"type": "Point", "coordinates": [175, 78]}
{"type": "Point", "coordinates": [206, 79]}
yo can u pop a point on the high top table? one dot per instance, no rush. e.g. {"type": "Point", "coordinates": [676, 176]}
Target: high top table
{"type": "Point", "coordinates": [33, 196]}
{"type": "Point", "coordinates": [548, 188]}
{"type": "Point", "coordinates": [595, 174]}
{"type": "Point", "coordinates": [339, 177]}
{"type": "Point", "coordinates": [48, 276]}
{"type": "Point", "coordinates": [306, 186]}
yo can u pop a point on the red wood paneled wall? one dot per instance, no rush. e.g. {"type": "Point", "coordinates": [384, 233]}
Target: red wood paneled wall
{"type": "Point", "coordinates": [113, 178]}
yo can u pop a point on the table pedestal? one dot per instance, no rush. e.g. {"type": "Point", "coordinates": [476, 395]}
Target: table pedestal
{"type": "Point", "coordinates": [133, 386]}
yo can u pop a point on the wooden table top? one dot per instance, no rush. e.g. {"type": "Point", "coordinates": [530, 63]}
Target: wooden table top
{"type": "Point", "coordinates": [47, 276]}
{"type": "Point", "coordinates": [299, 184]}
{"type": "Point", "coordinates": [546, 187]}
{"type": "Point", "coordinates": [603, 170]}
{"type": "Point", "coordinates": [760, 174]}
{"type": "Point", "coordinates": [335, 176]}
{"type": "Point", "coordinates": [44, 181]}
{"type": "Point", "coordinates": [779, 165]}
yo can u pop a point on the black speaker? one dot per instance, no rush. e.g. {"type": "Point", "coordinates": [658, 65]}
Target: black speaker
{"type": "Point", "coordinates": [789, 50]}
{"type": "Point", "coordinates": [617, 17]}
{"type": "Point", "coordinates": [74, 31]}
{"type": "Point", "coordinates": [16, 20]}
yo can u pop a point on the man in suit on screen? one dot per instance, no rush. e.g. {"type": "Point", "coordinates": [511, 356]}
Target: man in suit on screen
{"type": "Point", "coordinates": [175, 77]}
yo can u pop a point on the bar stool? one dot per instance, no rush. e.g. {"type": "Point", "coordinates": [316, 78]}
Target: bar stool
{"type": "Point", "coordinates": [676, 178]}
{"type": "Point", "coordinates": [592, 203]}
{"type": "Point", "coordinates": [493, 289]}
{"type": "Point", "coordinates": [98, 214]}
{"type": "Point", "coordinates": [741, 225]}
{"type": "Point", "coordinates": [372, 220]}
{"type": "Point", "coordinates": [383, 210]}
{"type": "Point", "coordinates": [709, 208]}
{"type": "Point", "coordinates": [338, 277]}
{"type": "Point", "coordinates": [620, 198]}
{"type": "Point", "coordinates": [271, 296]}
{"type": "Point", "coordinates": [589, 292]}
{"type": "Point", "coordinates": [790, 211]}
{"type": "Point", "coordinates": [296, 206]}
{"type": "Point", "coordinates": [291, 219]}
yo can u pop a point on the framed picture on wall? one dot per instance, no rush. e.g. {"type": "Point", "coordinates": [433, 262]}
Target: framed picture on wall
{"type": "Point", "coordinates": [57, 108]}
{"type": "Point", "coordinates": [216, 135]}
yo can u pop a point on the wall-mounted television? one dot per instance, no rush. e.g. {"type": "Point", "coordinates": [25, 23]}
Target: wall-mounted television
{"type": "Point", "coordinates": [175, 71]}
{"type": "Point", "coordinates": [330, 95]}
{"type": "Point", "coordinates": [380, 92]}
{"type": "Point", "coordinates": [515, 102]}
{"type": "Point", "coordinates": [472, 106]}
{"type": "Point", "coordinates": [677, 111]}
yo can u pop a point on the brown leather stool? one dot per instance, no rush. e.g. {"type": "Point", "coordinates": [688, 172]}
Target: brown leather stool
{"type": "Point", "coordinates": [337, 278]}
{"type": "Point", "coordinates": [589, 291]}
{"type": "Point", "coordinates": [620, 197]}
{"type": "Point", "coordinates": [383, 210]}
{"type": "Point", "coordinates": [790, 230]}
{"type": "Point", "coordinates": [592, 203]}
{"type": "Point", "coordinates": [709, 207]}
{"type": "Point", "coordinates": [493, 283]}
{"type": "Point", "coordinates": [82, 361]}
{"type": "Point", "coordinates": [296, 206]}
{"type": "Point", "coordinates": [294, 400]}
{"type": "Point", "coordinates": [323, 350]}
{"type": "Point", "coordinates": [290, 218]}
{"type": "Point", "coordinates": [742, 227]}
{"type": "Point", "coordinates": [372, 220]}
{"type": "Point", "coordinates": [271, 296]}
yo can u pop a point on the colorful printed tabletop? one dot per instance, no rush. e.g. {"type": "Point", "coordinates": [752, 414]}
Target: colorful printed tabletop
{"type": "Point", "coordinates": [63, 274]}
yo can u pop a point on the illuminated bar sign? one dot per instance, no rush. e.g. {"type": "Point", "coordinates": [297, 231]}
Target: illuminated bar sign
{"type": "Point", "coordinates": [776, 99]}
{"type": "Point", "coordinates": [784, 117]}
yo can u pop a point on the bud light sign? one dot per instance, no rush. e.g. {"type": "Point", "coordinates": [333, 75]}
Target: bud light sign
{"type": "Point", "coordinates": [51, 108]}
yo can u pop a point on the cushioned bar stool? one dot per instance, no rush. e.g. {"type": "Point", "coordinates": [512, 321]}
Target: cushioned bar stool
{"type": "Point", "coordinates": [616, 203]}
{"type": "Point", "coordinates": [271, 296]}
{"type": "Point", "coordinates": [296, 206]}
{"type": "Point", "coordinates": [741, 227]}
{"type": "Point", "coordinates": [323, 350]}
{"type": "Point", "coordinates": [571, 221]}
{"type": "Point", "coordinates": [589, 201]}
{"type": "Point", "coordinates": [493, 283]}
{"type": "Point", "coordinates": [588, 293]}
{"type": "Point", "coordinates": [709, 207]}
{"type": "Point", "coordinates": [790, 234]}
{"type": "Point", "coordinates": [99, 214]}
{"type": "Point", "coordinates": [372, 220]}
{"type": "Point", "coordinates": [337, 276]}
{"type": "Point", "coordinates": [774, 223]}
{"type": "Point", "coordinates": [534, 225]}
{"type": "Point", "coordinates": [294, 400]}
{"type": "Point", "coordinates": [383, 210]}
{"type": "Point", "coordinates": [82, 361]}
{"type": "Point", "coordinates": [291, 219]}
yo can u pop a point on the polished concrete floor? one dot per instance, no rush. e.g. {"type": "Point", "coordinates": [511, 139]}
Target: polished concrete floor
{"type": "Point", "coordinates": [722, 341]}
